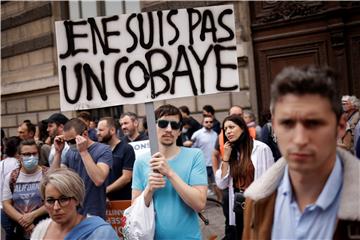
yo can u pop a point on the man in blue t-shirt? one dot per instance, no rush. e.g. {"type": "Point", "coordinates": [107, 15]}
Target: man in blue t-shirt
{"type": "Point", "coordinates": [174, 178]}
{"type": "Point", "coordinates": [119, 182]}
{"type": "Point", "coordinates": [91, 160]}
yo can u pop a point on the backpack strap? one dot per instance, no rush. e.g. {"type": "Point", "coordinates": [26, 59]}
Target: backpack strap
{"type": "Point", "coordinates": [15, 174]}
{"type": "Point", "coordinates": [13, 177]}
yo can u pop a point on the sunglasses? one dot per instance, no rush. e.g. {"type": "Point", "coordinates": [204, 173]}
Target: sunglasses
{"type": "Point", "coordinates": [71, 141]}
{"type": "Point", "coordinates": [165, 123]}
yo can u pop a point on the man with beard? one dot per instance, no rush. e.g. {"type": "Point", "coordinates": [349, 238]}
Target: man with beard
{"type": "Point", "coordinates": [120, 176]}
{"type": "Point", "coordinates": [129, 124]}
{"type": "Point", "coordinates": [174, 179]}
{"type": "Point", "coordinates": [55, 127]}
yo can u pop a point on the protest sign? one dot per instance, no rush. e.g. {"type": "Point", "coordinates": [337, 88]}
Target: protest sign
{"type": "Point", "coordinates": [145, 57]}
{"type": "Point", "coordinates": [141, 147]}
{"type": "Point", "coordinates": [114, 213]}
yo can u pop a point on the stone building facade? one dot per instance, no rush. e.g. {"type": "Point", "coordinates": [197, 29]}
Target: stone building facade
{"type": "Point", "coordinates": [29, 75]}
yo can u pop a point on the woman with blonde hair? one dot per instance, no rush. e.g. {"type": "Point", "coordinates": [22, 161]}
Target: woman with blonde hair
{"type": "Point", "coordinates": [63, 192]}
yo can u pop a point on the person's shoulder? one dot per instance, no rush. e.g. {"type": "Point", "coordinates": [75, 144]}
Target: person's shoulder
{"type": "Point", "coordinates": [143, 158]}
{"type": "Point", "coordinates": [96, 146]}
{"type": "Point", "coordinates": [41, 228]}
{"type": "Point", "coordinates": [260, 144]}
{"type": "Point", "coordinates": [190, 151]}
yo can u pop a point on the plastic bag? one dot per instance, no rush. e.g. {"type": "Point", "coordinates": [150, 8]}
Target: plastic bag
{"type": "Point", "coordinates": [139, 220]}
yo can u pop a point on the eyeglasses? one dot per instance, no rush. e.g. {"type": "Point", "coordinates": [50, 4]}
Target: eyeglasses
{"type": "Point", "coordinates": [71, 141]}
{"type": "Point", "coordinates": [165, 123]}
{"type": "Point", "coordinates": [62, 201]}
{"type": "Point", "coordinates": [208, 121]}
{"type": "Point", "coordinates": [28, 154]}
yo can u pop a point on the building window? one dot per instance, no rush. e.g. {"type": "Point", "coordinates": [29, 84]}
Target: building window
{"type": "Point", "coordinates": [83, 9]}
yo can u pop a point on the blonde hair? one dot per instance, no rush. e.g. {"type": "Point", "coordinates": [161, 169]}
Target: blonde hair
{"type": "Point", "coordinates": [67, 183]}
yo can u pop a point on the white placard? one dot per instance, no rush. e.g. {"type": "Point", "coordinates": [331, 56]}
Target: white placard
{"type": "Point", "coordinates": [141, 147]}
{"type": "Point", "coordinates": [145, 57]}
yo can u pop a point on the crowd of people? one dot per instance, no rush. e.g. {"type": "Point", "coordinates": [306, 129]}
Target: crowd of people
{"type": "Point", "coordinates": [57, 176]}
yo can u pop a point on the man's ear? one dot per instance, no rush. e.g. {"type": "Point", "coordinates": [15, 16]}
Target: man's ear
{"type": "Point", "coordinates": [85, 134]}
{"type": "Point", "coordinates": [136, 123]}
{"type": "Point", "coordinates": [341, 126]}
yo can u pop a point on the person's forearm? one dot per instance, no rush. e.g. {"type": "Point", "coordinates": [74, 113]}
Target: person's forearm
{"type": "Point", "coordinates": [118, 184]}
{"type": "Point", "coordinates": [56, 161]}
{"type": "Point", "coordinates": [224, 169]}
{"type": "Point", "coordinates": [11, 211]}
{"type": "Point", "coordinates": [193, 197]}
{"type": "Point", "coordinates": [39, 212]}
{"type": "Point", "coordinates": [95, 173]}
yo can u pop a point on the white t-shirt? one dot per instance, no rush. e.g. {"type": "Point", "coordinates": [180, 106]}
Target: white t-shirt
{"type": "Point", "coordinates": [6, 166]}
{"type": "Point", "coordinates": [26, 197]}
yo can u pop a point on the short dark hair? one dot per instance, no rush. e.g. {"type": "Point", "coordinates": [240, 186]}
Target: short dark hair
{"type": "Point", "coordinates": [78, 125]}
{"type": "Point", "coordinates": [85, 115]}
{"type": "Point", "coordinates": [184, 109]}
{"type": "Point", "coordinates": [30, 127]}
{"type": "Point", "coordinates": [28, 142]}
{"type": "Point", "coordinates": [109, 121]}
{"type": "Point", "coordinates": [132, 115]}
{"type": "Point", "coordinates": [11, 146]}
{"type": "Point", "coordinates": [57, 118]}
{"type": "Point", "coordinates": [167, 110]}
{"type": "Point", "coordinates": [307, 80]}
{"type": "Point", "coordinates": [209, 109]}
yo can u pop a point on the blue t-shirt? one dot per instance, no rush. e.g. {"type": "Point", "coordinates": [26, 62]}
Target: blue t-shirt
{"type": "Point", "coordinates": [174, 219]}
{"type": "Point", "coordinates": [123, 159]}
{"type": "Point", "coordinates": [95, 197]}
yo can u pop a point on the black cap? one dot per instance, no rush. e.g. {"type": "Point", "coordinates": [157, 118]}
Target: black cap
{"type": "Point", "coordinates": [57, 118]}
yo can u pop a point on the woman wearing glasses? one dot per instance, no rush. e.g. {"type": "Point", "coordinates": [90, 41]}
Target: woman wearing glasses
{"type": "Point", "coordinates": [21, 197]}
{"type": "Point", "coordinates": [63, 192]}
{"type": "Point", "coordinates": [244, 160]}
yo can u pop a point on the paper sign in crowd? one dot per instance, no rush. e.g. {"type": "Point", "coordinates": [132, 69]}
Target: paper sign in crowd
{"type": "Point", "coordinates": [145, 57]}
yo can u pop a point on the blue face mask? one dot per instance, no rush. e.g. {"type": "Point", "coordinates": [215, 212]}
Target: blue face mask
{"type": "Point", "coordinates": [30, 163]}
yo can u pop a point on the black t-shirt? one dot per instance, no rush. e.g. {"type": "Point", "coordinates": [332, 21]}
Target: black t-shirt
{"type": "Point", "coordinates": [194, 126]}
{"type": "Point", "coordinates": [142, 136]}
{"type": "Point", "coordinates": [123, 158]}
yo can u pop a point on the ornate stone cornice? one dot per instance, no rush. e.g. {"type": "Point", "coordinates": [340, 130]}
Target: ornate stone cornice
{"type": "Point", "coordinates": [286, 10]}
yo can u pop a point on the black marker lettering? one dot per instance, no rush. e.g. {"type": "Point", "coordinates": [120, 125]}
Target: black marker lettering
{"type": "Point", "coordinates": [219, 65]}
{"type": "Point", "coordinates": [116, 78]}
{"type": "Point", "coordinates": [176, 73]}
{"type": "Point", "coordinates": [149, 44]}
{"type": "Point", "coordinates": [132, 48]}
{"type": "Point", "coordinates": [158, 73]}
{"type": "Point", "coordinates": [104, 42]}
{"type": "Point", "coordinates": [77, 70]}
{"type": "Point", "coordinates": [192, 26]}
{"type": "Point", "coordinates": [208, 16]}
{"type": "Point", "coordinates": [70, 37]}
{"type": "Point", "coordinates": [161, 37]}
{"type": "Point", "coordinates": [170, 14]}
{"type": "Point", "coordinates": [221, 23]}
{"type": "Point", "coordinates": [128, 77]}
{"type": "Point", "coordinates": [89, 74]}
{"type": "Point", "coordinates": [201, 64]}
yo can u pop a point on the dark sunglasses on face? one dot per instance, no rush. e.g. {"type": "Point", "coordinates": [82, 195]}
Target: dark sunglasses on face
{"type": "Point", "coordinates": [165, 123]}
{"type": "Point", "coordinates": [62, 201]}
{"type": "Point", "coordinates": [71, 141]}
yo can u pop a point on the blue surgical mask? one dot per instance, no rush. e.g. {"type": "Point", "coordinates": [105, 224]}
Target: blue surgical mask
{"type": "Point", "coordinates": [30, 163]}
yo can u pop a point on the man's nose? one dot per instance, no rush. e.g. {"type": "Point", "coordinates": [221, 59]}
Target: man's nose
{"type": "Point", "coordinates": [301, 135]}
{"type": "Point", "coordinates": [168, 127]}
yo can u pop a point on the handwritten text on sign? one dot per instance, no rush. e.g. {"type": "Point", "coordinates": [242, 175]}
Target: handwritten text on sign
{"type": "Point", "coordinates": [144, 57]}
